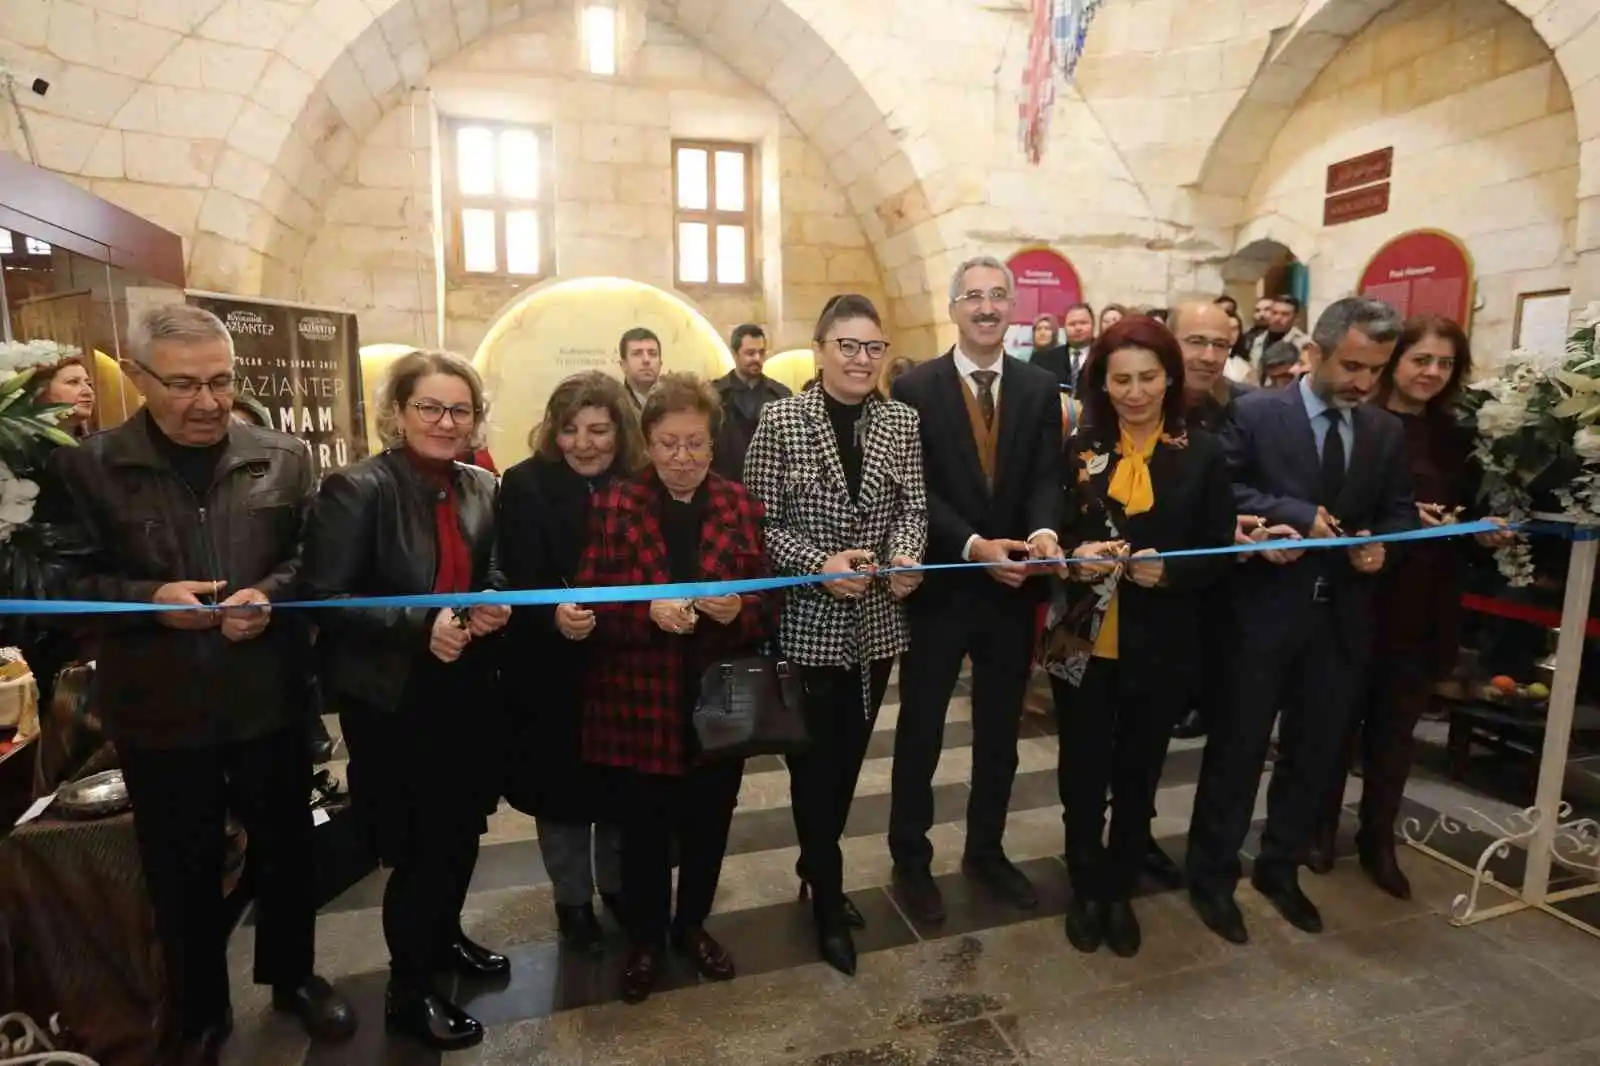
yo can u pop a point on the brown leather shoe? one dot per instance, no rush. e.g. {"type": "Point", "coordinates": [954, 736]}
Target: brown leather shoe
{"type": "Point", "coordinates": [639, 976]}
{"type": "Point", "coordinates": [710, 958]}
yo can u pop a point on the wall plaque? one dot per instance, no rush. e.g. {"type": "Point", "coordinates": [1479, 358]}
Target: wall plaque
{"type": "Point", "coordinates": [1366, 169]}
{"type": "Point", "coordinates": [1353, 206]}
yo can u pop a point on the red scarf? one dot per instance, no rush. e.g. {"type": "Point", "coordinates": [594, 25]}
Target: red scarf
{"type": "Point", "coordinates": [453, 559]}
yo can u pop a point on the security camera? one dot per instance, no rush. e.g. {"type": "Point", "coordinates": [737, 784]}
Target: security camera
{"type": "Point", "coordinates": [40, 86]}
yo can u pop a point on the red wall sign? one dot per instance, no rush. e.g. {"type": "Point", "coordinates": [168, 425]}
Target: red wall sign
{"type": "Point", "coordinates": [1424, 272]}
{"type": "Point", "coordinates": [1047, 284]}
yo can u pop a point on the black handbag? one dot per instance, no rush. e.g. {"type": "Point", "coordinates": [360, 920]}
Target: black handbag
{"type": "Point", "coordinates": [749, 707]}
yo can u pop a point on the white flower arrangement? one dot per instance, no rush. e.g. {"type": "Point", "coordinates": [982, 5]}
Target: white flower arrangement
{"type": "Point", "coordinates": [17, 498]}
{"type": "Point", "coordinates": [18, 356]}
{"type": "Point", "coordinates": [1538, 432]}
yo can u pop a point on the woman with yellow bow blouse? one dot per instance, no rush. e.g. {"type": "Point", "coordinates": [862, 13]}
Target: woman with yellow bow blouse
{"type": "Point", "coordinates": [1122, 635]}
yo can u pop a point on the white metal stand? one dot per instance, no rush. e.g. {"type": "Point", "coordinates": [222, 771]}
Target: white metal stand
{"type": "Point", "coordinates": [1550, 832]}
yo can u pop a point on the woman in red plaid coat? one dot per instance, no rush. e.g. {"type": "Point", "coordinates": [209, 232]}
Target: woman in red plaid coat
{"type": "Point", "coordinates": [675, 522]}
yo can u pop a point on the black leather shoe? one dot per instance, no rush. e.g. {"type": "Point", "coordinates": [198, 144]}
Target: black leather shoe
{"type": "Point", "coordinates": [920, 893]}
{"type": "Point", "coordinates": [1085, 924]}
{"type": "Point", "coordinates": [1159, 867]}
{"type": "Point", "coordinates": [639, 975]}
{"type": "Point", "coordinates": [1122, 929]}
{"type": "Point", "coordinates": [1220, 914]}
{"type": "Point", "coordinates": [1323, 852]}
{"type": "Point", "coordinates": [205, 1049]}
{"type": "Point", "coordinates": [578, 926]}
{"type": "Point", "coordinates": [835, 945]}
{"type": "Point", "coordinates": [475, 960]}
{"type": "Point", "coordinates": [431, 1020]}
{"type": "Point", "coordinates": [1383, 867]}
{"type": "Point", "coordinates": [998, 875]}
{"type": "Point", "coordinates": [852, 916]}
{"type": "Point", "coordinates": [1190, 727]}
{"type": "Point", "coordinates": [326, 1015]}
{"type": "Point", "coordinates": [1282, 890]}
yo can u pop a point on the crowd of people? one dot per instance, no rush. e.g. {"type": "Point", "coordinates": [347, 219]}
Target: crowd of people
{"type": "Point", "coordinates": [1065, 477]}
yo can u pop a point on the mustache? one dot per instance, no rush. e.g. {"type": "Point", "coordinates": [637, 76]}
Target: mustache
{"type": "Point", "coordinates": [987, 320]}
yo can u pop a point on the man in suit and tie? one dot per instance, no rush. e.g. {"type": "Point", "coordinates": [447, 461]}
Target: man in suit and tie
{"type": "Point", "coordinates": [1317, 459]}
{"type": "Point", "coordinates": [991, 445]}
{"type": "Point", "coordinates": [1066, 360]}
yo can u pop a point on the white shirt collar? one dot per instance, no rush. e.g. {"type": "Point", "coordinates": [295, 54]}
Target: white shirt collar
{"type": "Point", "coordinates": [965, 366]}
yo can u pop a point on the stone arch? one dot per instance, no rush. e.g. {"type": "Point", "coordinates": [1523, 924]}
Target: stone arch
{"type": "Point", "coordinates": [1323, 30]}
{"type": "Point", "coordinates": [347, 62]}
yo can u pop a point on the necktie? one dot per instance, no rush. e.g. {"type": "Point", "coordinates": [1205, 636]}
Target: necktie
{"type": "Point", "coordinates": [985, 379]}
{"type": "Point", "coordinates": [1332, 459]}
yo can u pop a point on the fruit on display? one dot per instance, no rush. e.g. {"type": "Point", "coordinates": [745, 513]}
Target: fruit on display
{"type": "Point", "coordinates": [1539, 691]}
{"type": "Point", "coordinates": [1504, 685]}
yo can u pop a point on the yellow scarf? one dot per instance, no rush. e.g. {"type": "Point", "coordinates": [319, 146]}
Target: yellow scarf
{"type": "Point", "coordinates": [1130, 486]}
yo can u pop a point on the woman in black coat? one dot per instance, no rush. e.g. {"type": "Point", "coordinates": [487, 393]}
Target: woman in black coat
{"type": "Point", "coordinates": [416, 687]}
{"type": "Point", "coordinates": [1122, 640]}
{"type": "Point", "coordinates": [589, 432]}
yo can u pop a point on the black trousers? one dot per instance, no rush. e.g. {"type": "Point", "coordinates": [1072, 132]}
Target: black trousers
{"type": "Point", "coordinates": [999, 640]}
{"type": "Point", "coordinates": [182, 797]}
{"type": "Point", "coordinates": [694, 812]}
{"type": "Point", "coordinates": [822, 780]}
{"type": "Point", "coordinates": [424, 785]}
{"type": "Point", "coordinates": [1307, 670]}
{"type": "Point", "coordinates": [1113, 733]}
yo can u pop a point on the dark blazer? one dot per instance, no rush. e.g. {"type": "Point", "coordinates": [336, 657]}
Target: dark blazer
{"type": "Point", "coordinates": [542, 525]}
{"type": "Point", "coordinates": [1272, 454]}
{"type": "Point", "coordinates": [1058, 361]}
{"type": "Point", "coordinates": [372, 533]}
{"type": "Point", "coordinates": [636, 686]}
{"type": "Point", "coordinates": [1027, 492]}
{"type": "Point", "coordinates": [1193, 509]}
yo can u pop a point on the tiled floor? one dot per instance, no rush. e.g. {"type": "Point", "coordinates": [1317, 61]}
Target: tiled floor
{"type": "Point", "coordinates": [1389, 983]}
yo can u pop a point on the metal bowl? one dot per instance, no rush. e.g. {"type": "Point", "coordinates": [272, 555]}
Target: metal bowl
{"type": "Point", "coordinates": [96, 796]}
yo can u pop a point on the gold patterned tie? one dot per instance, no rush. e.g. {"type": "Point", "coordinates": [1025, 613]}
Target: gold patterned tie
{"type": "Point", "coordinates": [985, 380]}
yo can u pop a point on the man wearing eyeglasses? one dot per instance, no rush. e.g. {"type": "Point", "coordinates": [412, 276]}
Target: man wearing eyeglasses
{"type": "Point", "coordinates": [183, 507]}
{"type": "Point", "coordinates": [991, 444]}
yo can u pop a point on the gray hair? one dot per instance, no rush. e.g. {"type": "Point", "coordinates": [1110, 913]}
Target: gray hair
{"type": "Point", "coordinates": [1180, 306]}
{"type": "Point", "coordinates": [1373, 319]}
{"type": "Point", "coordinates": [178, 323]}
{"type": "Point", "coordinates": [1283, 353]}
{"type": "Point", "coordinates": [979, 261]}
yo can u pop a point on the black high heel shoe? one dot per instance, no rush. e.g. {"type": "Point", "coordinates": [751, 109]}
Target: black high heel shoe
{"type": "Point", "coordinates": [853, 918]}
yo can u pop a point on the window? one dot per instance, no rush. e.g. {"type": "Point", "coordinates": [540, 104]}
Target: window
{"type": "Point", "coordinates": [498, 196]}
{"type": "Point", "coordinates": [30, 246]}
{"type": "Point", "coordinates": [600, 38]}
{"type": "Point", "coordinates": [715, 213]}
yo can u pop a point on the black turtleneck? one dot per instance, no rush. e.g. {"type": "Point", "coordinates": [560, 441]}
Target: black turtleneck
{"type": "Point", "coordinates": [196, 466]}
{"type": "Point", "coordinates": [846, 419]}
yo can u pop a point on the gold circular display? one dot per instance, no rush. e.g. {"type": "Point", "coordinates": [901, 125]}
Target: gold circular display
{"type": "Point", "coordinates": [566, 327]}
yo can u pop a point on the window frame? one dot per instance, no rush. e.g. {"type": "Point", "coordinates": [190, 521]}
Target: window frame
{"type": "Point", "coordinates": [712, 217]}
{"type": "Point", "coordinates": [455, 202]}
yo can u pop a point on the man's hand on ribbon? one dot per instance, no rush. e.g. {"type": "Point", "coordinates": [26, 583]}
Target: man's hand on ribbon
{"type": "Point", "coordinates": [182, 594]}
{"type": "Point", "coordinates": [245, 614]}
{"type": "Point", "coordinates": [999, 564]}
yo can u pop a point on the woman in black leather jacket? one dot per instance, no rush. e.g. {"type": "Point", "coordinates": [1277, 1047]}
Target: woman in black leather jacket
{"type": "Point", "coordinates": [416, 688]}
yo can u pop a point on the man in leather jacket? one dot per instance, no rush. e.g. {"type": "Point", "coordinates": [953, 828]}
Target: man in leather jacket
{"type": "Point", "coordinates": [184, 507]}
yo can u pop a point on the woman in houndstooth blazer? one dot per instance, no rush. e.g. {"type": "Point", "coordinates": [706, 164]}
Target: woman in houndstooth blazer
{"type": "Point", "coordinates": [839, 468]}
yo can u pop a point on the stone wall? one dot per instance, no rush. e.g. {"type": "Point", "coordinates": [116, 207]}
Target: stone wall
{"type": "Point", "coordinates": [1485, 144]}
{"type": "Point", "coordinates": [612, 170]}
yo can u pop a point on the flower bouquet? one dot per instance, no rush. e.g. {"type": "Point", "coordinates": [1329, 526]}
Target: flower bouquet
{"type": "Point", "coordinates": [28, 431]}
{"type": "Point", "coordinates": [1537, 423]}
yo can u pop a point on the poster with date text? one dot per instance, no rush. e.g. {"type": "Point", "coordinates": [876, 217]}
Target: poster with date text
{"type": "Point", "coordinates": [303, 364]}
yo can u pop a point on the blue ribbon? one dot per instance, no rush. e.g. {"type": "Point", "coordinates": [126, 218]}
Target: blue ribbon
{"type": "Point", "coordinates": [695, 590]}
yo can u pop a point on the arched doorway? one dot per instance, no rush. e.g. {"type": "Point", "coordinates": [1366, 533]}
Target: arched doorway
{"type": "Point", "coordinates": [1264, 267]}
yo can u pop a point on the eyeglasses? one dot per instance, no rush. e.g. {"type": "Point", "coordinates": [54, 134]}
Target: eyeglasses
{"type": "Point", "coordinates": [850, 347]}
{"type": "Point", "coordinates": [694, 449]}
{"type": "Point", "coordinates": [432, 411]}
{"type": "Point", "coordinates": [189, 388]}
{"type": "Point", "coordinates": [973, 297]}
{"type": "Point", "coordinates": [1215, 343]}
